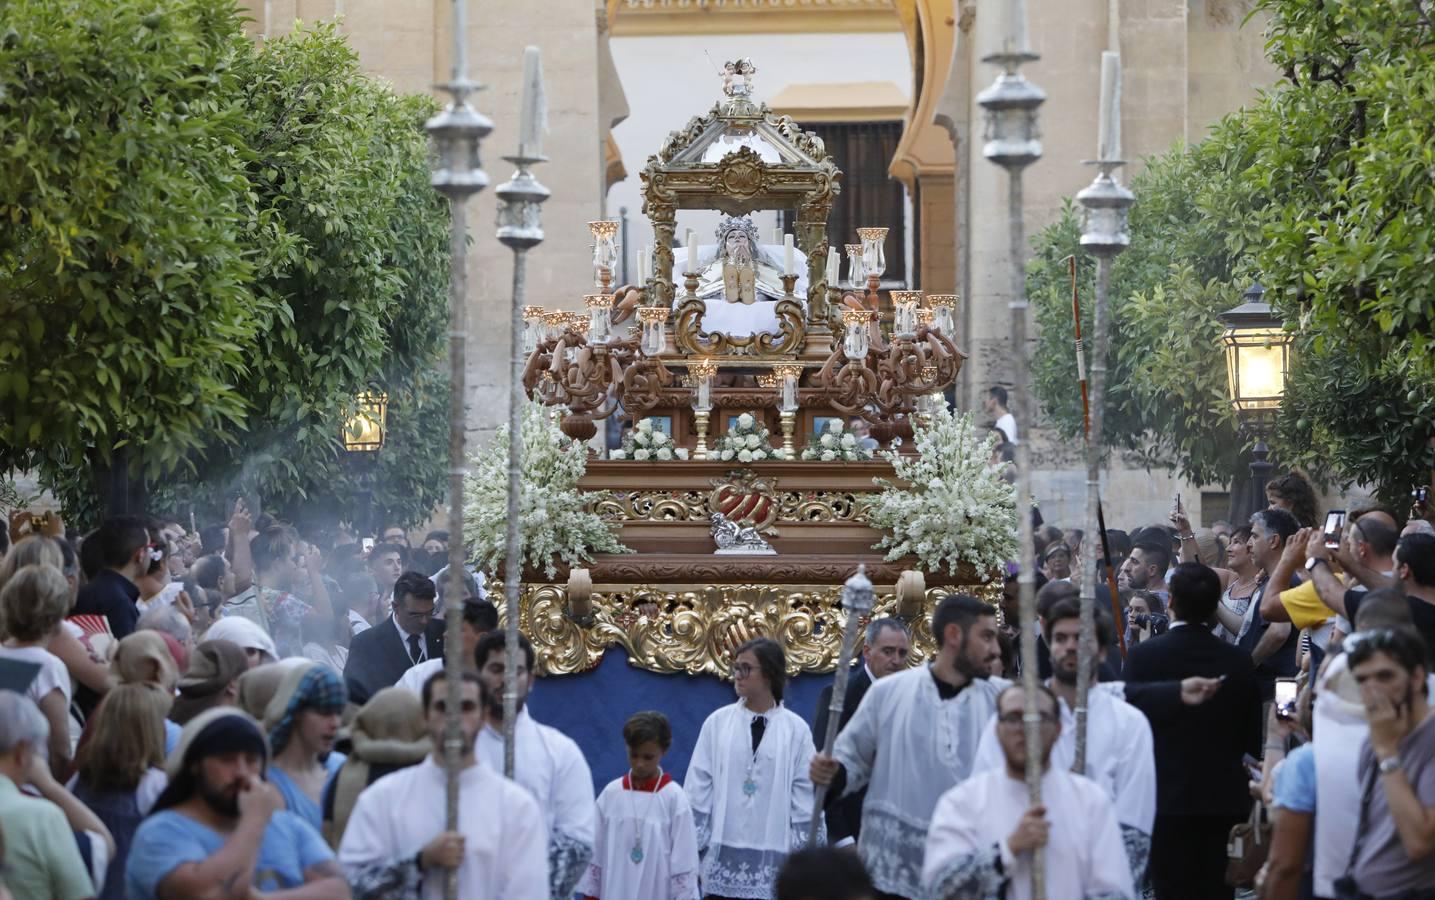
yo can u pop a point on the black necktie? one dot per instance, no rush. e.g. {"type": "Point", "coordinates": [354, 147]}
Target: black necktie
{"type": "Point", "coordinates": [414, 652]}
{"type": "Point", "coordinates": [759, 725]}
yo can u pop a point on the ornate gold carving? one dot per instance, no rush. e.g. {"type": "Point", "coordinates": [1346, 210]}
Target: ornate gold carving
{"type": "Point", "coordinates": [695, 628]}
{"type": "Point", "coordinates": [696, 506]}
{"type": "Point", "coordinates": [688, 332]}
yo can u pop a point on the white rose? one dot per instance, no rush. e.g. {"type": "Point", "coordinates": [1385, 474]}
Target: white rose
{"type": "Point", "coordinates": [682, 452]}
{"type": "Point", "coordinates": [659, 438]}
{"type": "Point", "coordinates": [828, 455]}
{"type": "Point", "coordinates": [834, 426]}
{"type": "Point", "coordinates": [849, 441]}
{"type": "Point", "coordinates": [828, 440]}
{"type": "Point", "coordinates": [645, 425]}
{"type": "Point", "coordinates": [752, 441]}
{"type": "Point", "coordinates": [744, 420]}
{"type": "Point", "coordinates": [641, 455]}
{"type": "Point", "coordinates": [640, 439]}
{"type": "Point", "coordinates": [665, 453]}
{"type": "Point", "coordinates": [744, 456]}
{"type": "Point", "coordinates": [758, 455]}
{"type": "Point", "coordinates": [726, 455]}
{"type": "Point", "coordinates": [617, 454]}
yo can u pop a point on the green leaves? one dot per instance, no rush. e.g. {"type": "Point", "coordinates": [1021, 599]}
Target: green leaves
{"type": "Point", "coordinates": [1323, 191]}
{"type": "Point", "coordinates": [210, 250]}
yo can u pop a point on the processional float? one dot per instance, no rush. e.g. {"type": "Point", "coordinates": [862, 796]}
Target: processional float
{"type": "Point", "coordinates": [711, 333]}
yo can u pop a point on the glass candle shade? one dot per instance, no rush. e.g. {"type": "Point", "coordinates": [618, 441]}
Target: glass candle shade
{"type": "Point", "coordinates": [598, 306]}
{"type": "Point", "coordinates": [874, 257]}
{"type": "Point", "coordinates": [534, 327]}
{"type": "Point", "coordinates": [704, 371]}
{"type": "Point", "coordinates": [904, 305]}
{"type": "Point", "coordinates": [943, 308]}
{"type": "Point", "coordinates": [855, 278]}
{"type": "Point", "coordinates": [856, 342]}
{"type": "Point", "coordinates": [653, 318]}
{"type": "Point", "coordinates": [605, 249]}
{"type": "Point", "coordinates": [789, 376]}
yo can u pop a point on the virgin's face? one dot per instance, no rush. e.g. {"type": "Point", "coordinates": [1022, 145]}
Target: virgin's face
{"type": "Point", "coordinates": [737, 246]}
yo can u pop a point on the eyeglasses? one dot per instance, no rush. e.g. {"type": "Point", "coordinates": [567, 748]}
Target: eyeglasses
{"type": "Point", "coordinates": [741, 670]}
{"type": "Point", "coordinates": [1012, 719]}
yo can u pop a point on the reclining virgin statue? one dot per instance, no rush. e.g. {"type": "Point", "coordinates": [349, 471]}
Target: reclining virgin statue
{"type": "Point", "coordinates": [739, 279]}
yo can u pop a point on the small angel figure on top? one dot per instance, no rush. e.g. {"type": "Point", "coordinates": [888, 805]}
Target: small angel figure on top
{"type": "Point", "coordinates": [737, 77]}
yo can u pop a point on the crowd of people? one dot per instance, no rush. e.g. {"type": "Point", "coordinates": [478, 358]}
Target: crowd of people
{"type": "Point", "coordinates": [246, 711]}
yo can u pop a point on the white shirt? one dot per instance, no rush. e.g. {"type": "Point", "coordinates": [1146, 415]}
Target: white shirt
{"type": "Point", "coordinates": [1085, 858]}
{"type": "Point", "coordinates": [404, 636]}
{"type": "Point", "coordinates": [1007, 423]}
{"type": "Point", "coordinates": [52, 675]}
{"type": "Point", "coordinates": [750, 809]}
{"type": "Point", "coordinates": [324, 656]}
{"type": "Point", "coordinates": [505, 847]}
{"type": "Point", "coordinates": [417, 676]}
{"type": "Point", "coordinates": [549, 764]}
{"type": "Point", "coordinates": [1120, 755]}
{"type": "Point", "coordinates": [646, 845]}
{"type": "Point", "coordinates": [909, 745]}
{"type": "Point", "coordinates": [357, 623]}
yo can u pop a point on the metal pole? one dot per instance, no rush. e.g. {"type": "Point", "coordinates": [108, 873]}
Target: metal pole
{"type": "Point", "coordinates": [857, 600]}
{"type": "Point", "coordinates": [1011, 104]}
{"type": "Point", "coordinates": [1106, 204]}
{"type": "Point", "coordinates": [457, 131]}
{"type": "Point", "coordinates": [520, 231]}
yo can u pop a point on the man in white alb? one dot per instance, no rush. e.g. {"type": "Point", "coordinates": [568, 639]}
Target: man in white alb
{"type": "Point", "coordinates": [747, 780]}
{"type": "Point", "coordinates": [1119, 748]}
{"type": "Point", "coordinates": [546, 762]}
{"type": "Point", "coordinates": [395, 845]}
{"type": "Point", "coordinates": [914, 736]}
{"type": "Point", "coordinates": [985, 829]}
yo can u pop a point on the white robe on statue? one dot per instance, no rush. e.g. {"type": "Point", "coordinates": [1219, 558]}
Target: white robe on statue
{"type": "Point", "coordinates": [549, 764]}
{"type": "Point", "coordinates": [909, 745]}
{"type": "Point", "coordinates": [967, 857]}
{"type": "Point", "coordinates": [1120, 757]}
{"type": "Point", "coordinates": [505, 845]}
{"type": "Point", "coordinates": [646, 845]}
{"type": "Point", "coordinates": [750, 810]}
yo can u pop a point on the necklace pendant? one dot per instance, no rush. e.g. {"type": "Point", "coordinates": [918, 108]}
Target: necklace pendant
{"type": "Point", "coordinates": [749, 787]}
{"type": "Point", "coordinates": [637, 853]}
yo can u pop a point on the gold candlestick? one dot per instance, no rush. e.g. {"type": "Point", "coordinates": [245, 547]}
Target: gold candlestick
{"type": "Point", "coordinates": [788, 283]}
{"type": "Point", "coordinates": [700, 423]}
{"type": "Point", "coordinates": [789, 423]}
{"type": "Point", "coordinates": [690, 281]}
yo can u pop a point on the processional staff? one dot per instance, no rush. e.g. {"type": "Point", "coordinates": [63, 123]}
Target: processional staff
{"type": "Point", "coordinates": [519, 230]}
{"type": "Point", "coordinates": [1105, 203]}
{"type": "Point", "coordinates": [857, 601]}
{"type": "Point", "coordinates": [457, 131]}
{"type": "Point", "coordinates": [1011, 103]}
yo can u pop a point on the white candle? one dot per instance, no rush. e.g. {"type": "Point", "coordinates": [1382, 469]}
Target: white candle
{"type": "Point", "coordinates": [1108, 142]}
{"type": "Point", "coordinates": [789, 260]}
{"type": "Point", "coordinates": [643, 262]}
{"type": "Point", "coordinates": [534, 114]}
{"type": "Point", "coordinates": [833, 266]}
{"type": "Point", "coordinates": [692, 243]}
{"type": "Point", "coordinates": [1016, 40]}
{"type": "Point", "coordinates": [777, 235]}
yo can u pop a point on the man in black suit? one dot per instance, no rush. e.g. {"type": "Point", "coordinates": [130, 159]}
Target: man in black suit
{"type": "Point", "coordinates": [379, 656]}
{"type": "Point", "coordinates": [884, 653]}
{"type": "Point", "coordinates": [1201, 783]}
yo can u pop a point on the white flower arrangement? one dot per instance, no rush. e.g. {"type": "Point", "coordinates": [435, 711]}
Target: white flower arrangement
{"type": "Point", "coordinates": [956, 509]}
{"type": "Point", "coordinates": [556, 522]}
{"type": "Point", "coordinates": [646, 443]}
{"type": "Point", "coordinates": [836, 442]}
{"type": "Point", "coordinates": [747, 441]}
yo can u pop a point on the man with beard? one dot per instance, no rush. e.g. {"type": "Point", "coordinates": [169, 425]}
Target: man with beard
{"type": "Point", "coordinates": [1119, 754]}
{"type": "Point", "coordinates": [914, 737]}
{"type": "Point", "coordinates": [984, 830]}
{"type": "Point", "coordinates": [1145, 569]}
{"type": "Point", "coordinates": [549, 764]}
{"type": "Point", "coordinates": [395, 847]}
{"type": "Point", "coordinates": [219, 829]}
